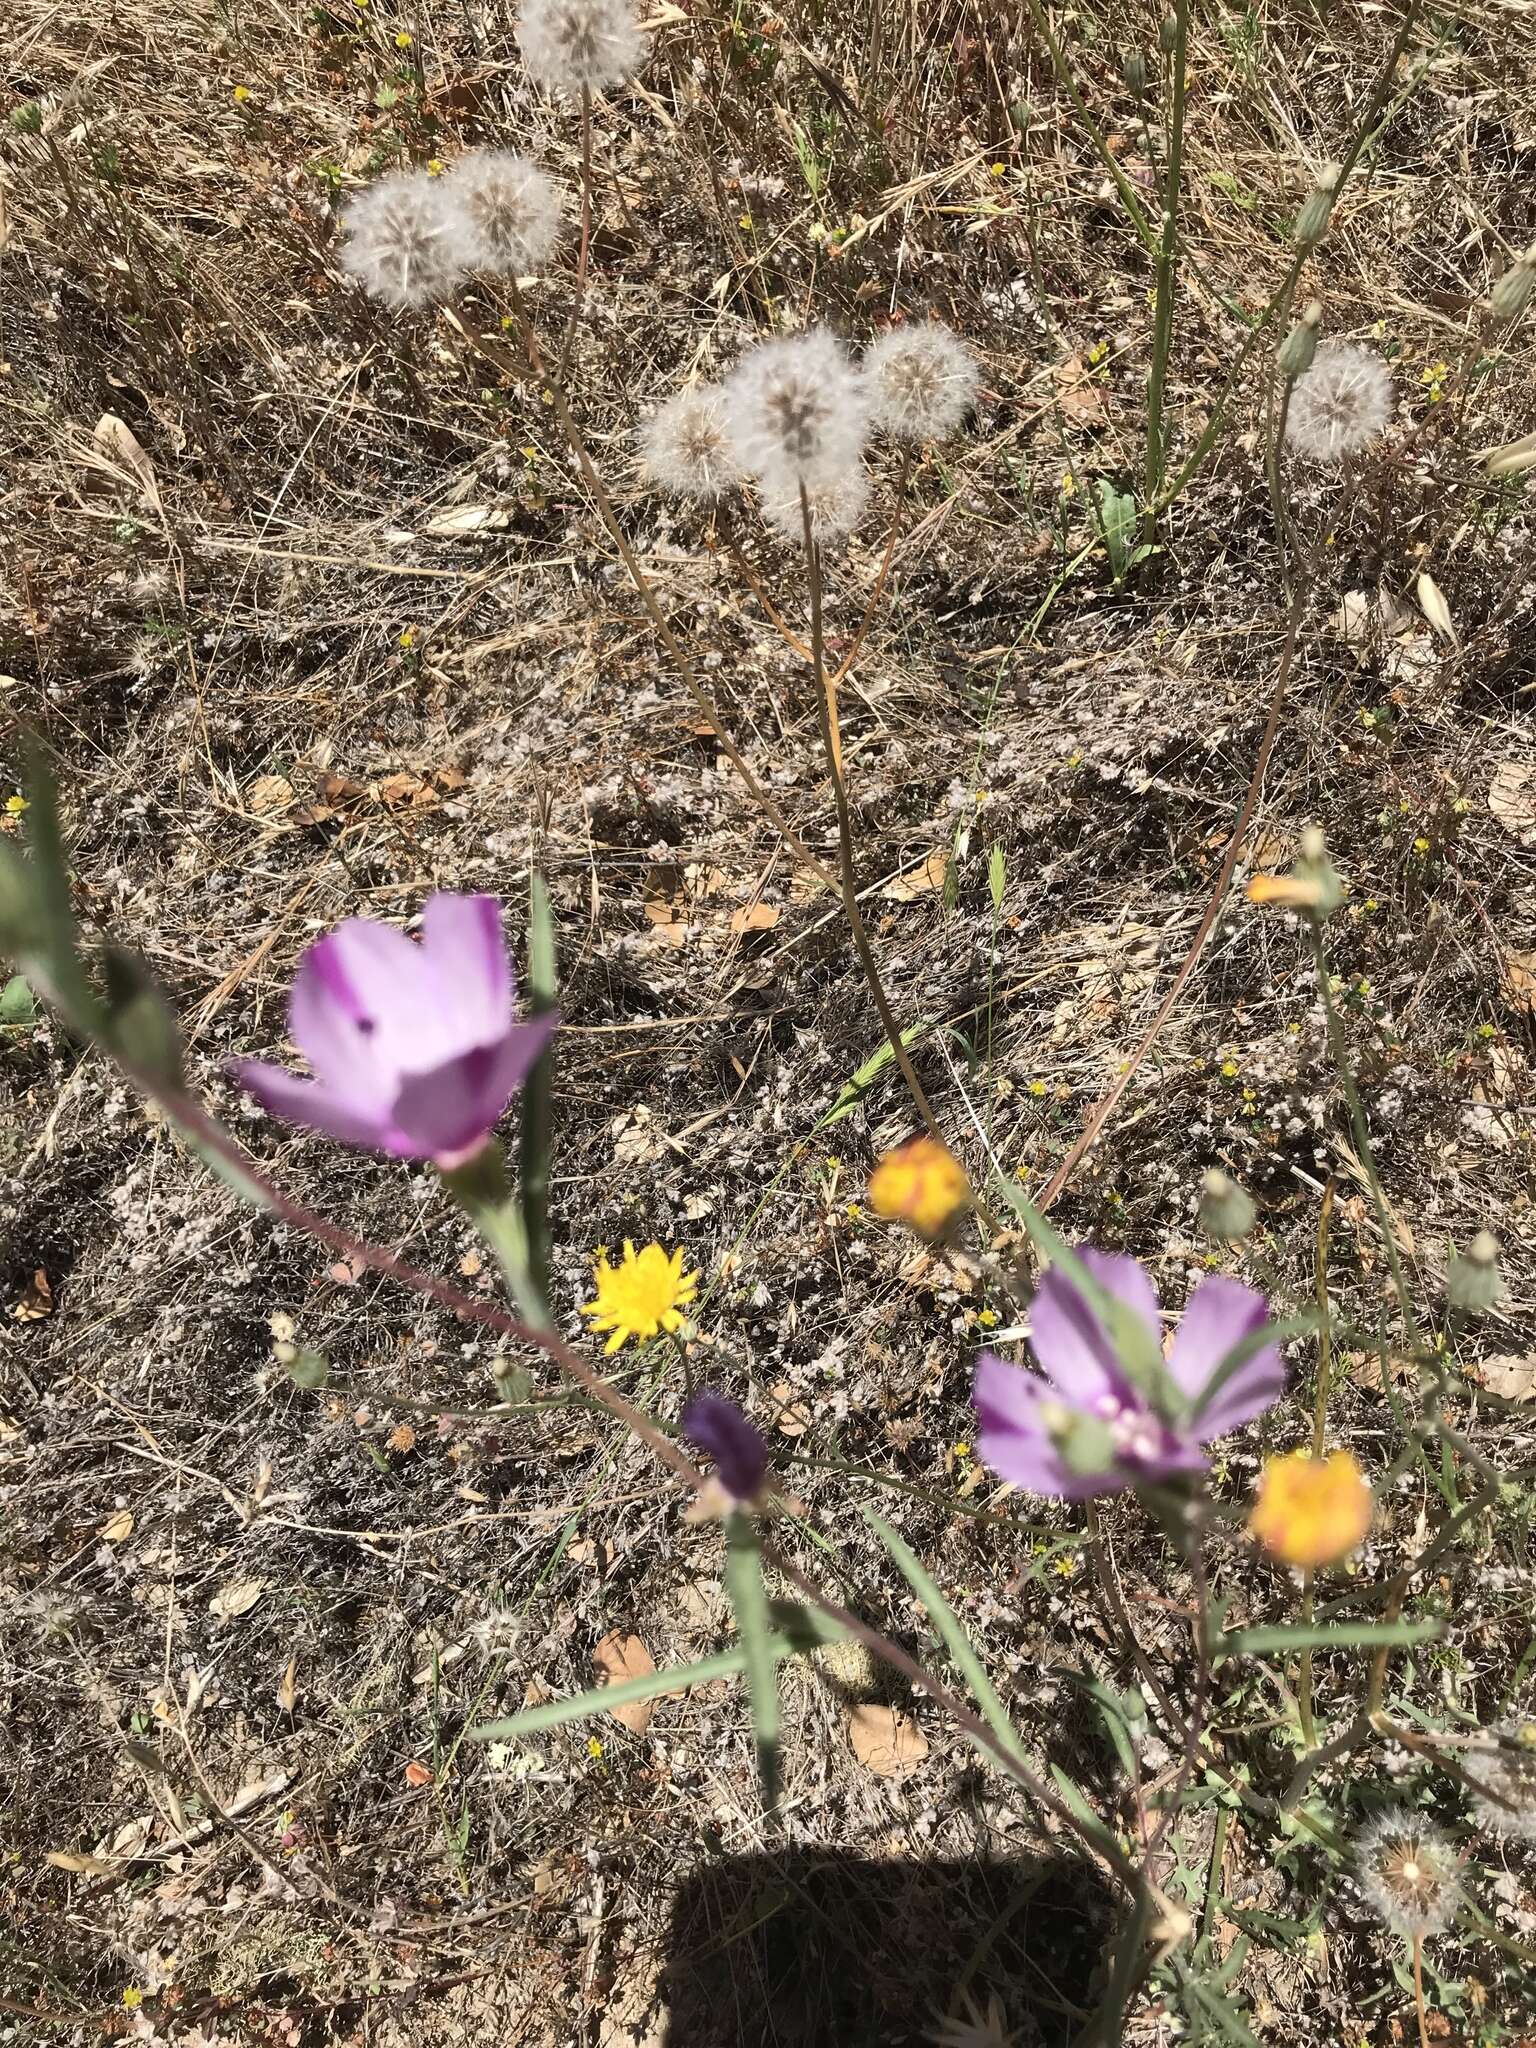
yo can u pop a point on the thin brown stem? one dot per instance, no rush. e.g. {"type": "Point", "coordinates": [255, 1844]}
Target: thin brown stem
{"type": "Point", "coordinates": [878, 592]}
{"type": "Point", "coordinates": [753, 581]}
{"type": "Point", "coordinates": [1418, 1990]}
{"type": "Point", "coordinates": [583, 254]}
{"type": "Point", "coordinates": [826, 706]}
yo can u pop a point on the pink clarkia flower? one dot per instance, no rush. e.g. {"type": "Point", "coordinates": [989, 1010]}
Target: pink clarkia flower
{"type": "Point", "coordinates": [414, 1047]}
{"type": "Point", "coordinates": [1081, 1394]}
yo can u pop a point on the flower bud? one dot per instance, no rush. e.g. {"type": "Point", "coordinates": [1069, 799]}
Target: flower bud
{"type": "Point", "coordinates": [1317, 208]}
{"type": "Point", "coordinates": [1133, 69]}
{"type": "Point", "coordinates": [920, 1183]}
{"type": "Point", "coordinates": [27, 119]}
{"type": "Point", "coordinates": [1294, 357]}
{"type": "Point", "coordinates": [1168, 34]}
{"type": "Point", "coordinates": [1473, 1282]}
{"type": "Point", "coordinates": [1512, 294]}
{"type": "Point", "coordinates": [1226, 1210]}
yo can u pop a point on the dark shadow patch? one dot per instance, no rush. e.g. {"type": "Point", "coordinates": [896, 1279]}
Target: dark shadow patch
{"type": "Point", "coordinates": [809, 1947]}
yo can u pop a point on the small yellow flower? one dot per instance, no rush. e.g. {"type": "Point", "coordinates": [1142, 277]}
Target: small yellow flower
{"type": "Point", "coordinates": [404, 40]}
{"type": "Point", "coordinates": [594, 1747]}
{"type": "Point", "coordinates": [1065, 1565]}
{"type": "Point", "coordinates": [960, 1450]}
{"type": "Point", "coordinates": [1037, 1089]}
{"type": "Point", "coordinates": [919, 1183]}
{"type": "Point", "coordinates": [1421, 845]}
{"type": "Point", "coordinates": [999, 170]}
{"type": "Point", "coordinates": [1230, 1069]}
{"type": "Point", "coordinates": [645, 1293]}
{"type": "Point", "coordinates": [16, 805]}
{"type": "Point", "coordinates": [1311, 1511]}
{"type": "Point", "coordinates": [989, 1318]}
{"type": "Point", "coordinates": [240, 95]}
{"type": "Point", "coordinates": [133, 1998]}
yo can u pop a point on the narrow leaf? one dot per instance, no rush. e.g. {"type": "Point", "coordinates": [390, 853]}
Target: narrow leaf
{"type": "Point", "coordinates": [959, 1645]}
{"type": "Point", "coordinates": [602, 1699]}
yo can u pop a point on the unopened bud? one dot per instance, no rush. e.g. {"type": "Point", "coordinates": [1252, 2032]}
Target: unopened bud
{"type": "Point", "coordinates": [1473, 1282]}
{"type": "Point", "coordinates": [1317, 207]}
{"type": "Point", "coordinates": [1226, 1210]}
{"type": "Point", "coordinates": [1133, 69]}
{"type": "Point", "coordinates": [1512, 294]}
{"type": "Point", "coordinates": [27, 119]}
{"type": "Point", "coordinates": [1168, 34]}
{"type": "Point", "coordinates": [1294, 357]}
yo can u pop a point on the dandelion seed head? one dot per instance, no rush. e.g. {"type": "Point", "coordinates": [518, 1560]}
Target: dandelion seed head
{"type": "Point", "coordinates": [686, 448]}
{"type": "Point", "coordinates": [1340, 404]}
{"type": "Point", "coordinates": [922, 380]}
{"type": "Point", "coordinates": [1505, 1801]}
{"type": "Point", "coordinates": [837, 502]}
{"type": "Point", "coordinates": [510, 210]}
{"type": "Point", "coordinates": [573, 45]}
{"type": "Point", "coordinates": [796, 408]}
{"type": "Point", "coordinates": [1408, 1873]}
{"type": "Point", "coordinates": [405, 239]}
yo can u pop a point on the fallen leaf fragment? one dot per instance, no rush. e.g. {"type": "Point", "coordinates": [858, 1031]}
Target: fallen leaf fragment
{"type": "Point", "coordinates": [1512, 799]}
{"type": "Point", "coordinates": [84, 1866]}
{"type": "Point", "coordinates": [417, 1775]}
{"type": "Point", "coordinates": [1511, 1378]}
{"type": "Point", "coordinates": [237, 1598]}
{"type": "Point", "coordinates": [36, 1299]}
{"type": "Point", "coordinates": [755, 917]}
{"type": "Point", "coordinates": [885, 1741]}
{"type": "Point", "coordinates": [618, 1657]}
{"type": "Point", "coordinates": [919, 881]}
{"type": "Point", "coordinates": [117, 1528]}
{"type": "Point", "coordinates": [118, 442]}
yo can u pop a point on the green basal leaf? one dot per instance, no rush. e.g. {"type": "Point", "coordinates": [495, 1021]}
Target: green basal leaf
{"type": "Point", "coordinates": [749, 1601]}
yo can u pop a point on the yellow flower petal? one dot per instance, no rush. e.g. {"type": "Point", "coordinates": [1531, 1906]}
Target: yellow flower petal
{"type": "Point", "coordinates": [1311, 1511]}
{"type": "Point", "coordinates": [919, 1183]}
{"type": "Point", "coordinates": [642, 1295]}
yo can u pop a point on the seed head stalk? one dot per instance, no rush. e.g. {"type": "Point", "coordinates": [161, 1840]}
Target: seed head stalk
{"type": "Point", "coordinates": [703, 702]}
{"type": "Point", "coordinates": [1167, 278]}
{"type": "Point", "coordinates": [831, 739]}
{"type": "Point", "coordinates": [583, 253]}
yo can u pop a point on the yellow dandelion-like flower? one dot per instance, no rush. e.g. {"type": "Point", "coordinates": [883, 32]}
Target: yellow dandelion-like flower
{"type": "Point", "coordinates": [644, 1294]}
{"type": "Point", "coordinates": [1311, 1511]}
{"type": "Point", "coordinates": [920, 1183]}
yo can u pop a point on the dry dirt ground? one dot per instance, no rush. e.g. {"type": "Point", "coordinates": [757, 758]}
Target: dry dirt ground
{"type": "Point", "coordinates": [337, 625]}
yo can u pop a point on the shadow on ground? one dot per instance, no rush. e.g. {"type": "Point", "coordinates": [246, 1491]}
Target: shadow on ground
{"type": "Point", "coordinates": [808, 1947]}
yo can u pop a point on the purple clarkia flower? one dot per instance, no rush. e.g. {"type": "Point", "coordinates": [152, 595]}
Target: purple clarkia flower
{"type": "Point", "coordinates": [414, 1046]}
{"type": "Point", "coordinates": [718, 1426]}
{"type": "Point", "coordinates": [1028, 1419]}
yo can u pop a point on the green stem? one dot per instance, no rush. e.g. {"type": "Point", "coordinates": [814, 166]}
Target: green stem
{"type": "Point", "coordinates": [1167, 277]}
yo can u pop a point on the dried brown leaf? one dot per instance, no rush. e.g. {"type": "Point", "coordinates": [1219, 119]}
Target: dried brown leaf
{"type": "Point", "coordinates": [618, 1657]}
{"type": "Point", "coordinates": [1512, 799]}
{"type": "Point", "coordinates": [885, 1741]}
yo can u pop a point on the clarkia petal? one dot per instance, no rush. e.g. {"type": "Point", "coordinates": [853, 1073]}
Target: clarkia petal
{"type": "Point", "coordinates": [310, 1103]}
{"type": "Point", "coordinates": [1221, 1313]}
{"type": "Point", "coordinates": [466, 953]}
{"type": "Point", "coordinates": [335, 1035]}
{"type": "Point", "coordinates": [1065, 1335]}
{"type": "Point", "coordinates": [1014, 1442]}
{"type": "Point", "coordinates": [375, 975]}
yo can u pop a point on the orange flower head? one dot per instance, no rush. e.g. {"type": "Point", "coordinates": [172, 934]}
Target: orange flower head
{"type": "Point", "coordinates": [1311, 1511]}
{"type": "Point", "coordinates": [919, 1183]}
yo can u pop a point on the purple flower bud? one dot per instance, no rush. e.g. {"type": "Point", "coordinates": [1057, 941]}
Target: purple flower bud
{"type": "Point", "coordinates": [414, 1047]}
{"type": "Point", "coordinates": [718, 1426]}
{"type": "Point", "coordinates": [1120, 1438]}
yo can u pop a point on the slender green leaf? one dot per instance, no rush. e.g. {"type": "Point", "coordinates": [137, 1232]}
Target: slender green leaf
{"type": "Point", "coordinates": [959, 1645]}
{"type": "Point", "coordinates": [749, 1601]}
{"type": "Point", "coordinates": [1092, 1826]}
{"type": "Point", "coordinates": [142, 1026]}
{"type": "Point", "coordinates": [603, 1698]}
{"type": "Point", "coordinates": [1344, 1635]}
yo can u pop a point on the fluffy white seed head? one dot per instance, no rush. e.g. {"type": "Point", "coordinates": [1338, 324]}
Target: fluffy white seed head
{"type": "Point", "coordinates": [576, 44]}
{"type": "Point", "coordinates": [1408, 1873]}
{"type": "Point", "coordinates": [837, 502]}
{"type": "Point", "coordinates": [797, 408]}
{"type": "Point", "coordinates": [405, 239]}
{"type": "Point", "coordinates": [922, 380]}
{"type": "Point", "coordinates": [1506, 1782]}
{"type": "Point", "coordinates": [510, 211]}
{"type": "Point", "coordinates": [686, 448]}
{"type": "Point", "coordinates": [1340, 404]}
